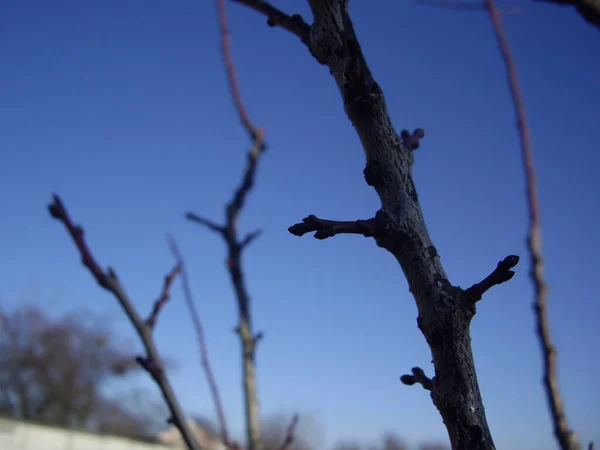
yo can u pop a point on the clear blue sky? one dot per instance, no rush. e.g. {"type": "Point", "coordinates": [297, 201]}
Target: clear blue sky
{"type": "Point", "coordinates": [123, 109]}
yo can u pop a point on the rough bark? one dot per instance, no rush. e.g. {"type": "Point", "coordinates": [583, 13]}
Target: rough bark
{"type": "Point", "coordinates": [445, 311]}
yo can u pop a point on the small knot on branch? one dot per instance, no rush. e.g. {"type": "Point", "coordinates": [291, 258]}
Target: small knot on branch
{"type": "Point", "coordinates": [418, 376]}
{"type": "Point", "coordinates": [411, 140]}
{"type": "Point", "coordinates": [501, 274]}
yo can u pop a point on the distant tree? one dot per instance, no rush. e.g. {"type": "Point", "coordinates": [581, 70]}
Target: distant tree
{"type": "Point", "coordinates": [52, 370]}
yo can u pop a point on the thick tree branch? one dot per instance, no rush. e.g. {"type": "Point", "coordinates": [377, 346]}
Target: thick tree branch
{"type": "Point", "coordinates": [418, 377]}
{"type": "Point", "coordinates": [566, 438]}
{"type": "Point", "coordinates": [374, 227]}
{"type": "Point", "coordinates": [204, 357]}
{"type": "Point", "coordinates": [444, 315]}
{"type": "Point", "coordinates": [151, 362]}
{"type": "Point", "coordinates": [501, 274]}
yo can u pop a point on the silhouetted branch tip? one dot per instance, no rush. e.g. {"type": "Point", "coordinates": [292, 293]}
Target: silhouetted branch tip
{"type": "Point", "coordinates": [164, 296]}
{"type": "Point", "coordinates": [418, 376]}
{"type": "Point", "coordinates": [501, 274]}
{"type": "Point", "coordinates": [411, 140]}
{"type": "Point", "coordinates": [258, 337]}
{"type": "Point", "coordinates": [207, 223]}
{"type": "Point", "coordinates": [295, 24]}
{"type": "Point", "coordinates": [324, 229]}
{"type": "Point", "coordinates": [249, 238]}
{"type": "Point", "coordinates": [58, 211]}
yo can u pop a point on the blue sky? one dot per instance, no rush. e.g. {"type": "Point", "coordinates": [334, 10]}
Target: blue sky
{"type": "Point", "coordinates": [123, 109]}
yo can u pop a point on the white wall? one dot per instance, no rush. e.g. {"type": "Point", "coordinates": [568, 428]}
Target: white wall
{"type": "Point", "coordinates": [15, 435]}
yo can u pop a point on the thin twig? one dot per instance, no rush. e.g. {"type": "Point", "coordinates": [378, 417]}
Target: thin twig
{"type": "Point", "coordinates": [256, 134]}
{"type": "Point", "coordinates": [198, 327]}
{"type": "Point", "coordinates": [289, 434]}
{"type": "Point", "coordinates": [109, 281]}
{"type": "Point", "coordinates": [164, 296]}
{"type": "Point", "coordinates": [566, 438]}
{"type": "Point", "coordinates": [295, 24]}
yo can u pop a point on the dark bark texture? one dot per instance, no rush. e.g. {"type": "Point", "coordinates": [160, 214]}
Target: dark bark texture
{"type": "Point", "coordinates": [445, 311]}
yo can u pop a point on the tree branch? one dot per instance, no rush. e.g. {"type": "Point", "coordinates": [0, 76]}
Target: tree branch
{"type": "Point", "coordinates": [444, 317]}
{"type": "Point", "coordinates": [566, 438]}
{"type": "Point", "coordinates": [418, 377]}
{"type": "Point", "coordinates": [229, 230]}
{"type": "Point", "coordinates": [374, 227]}
{"type": "Point", "coordinates": [151, 362]}
{"type": "Point", "coordinates": [204, 356]}
{"type": "Point", "coordinates": [295, 24]}
{"type": "Point", "coordinates": [164, 296]}
{"type": "Point", "coordinates": [501, 274]}
{"type": "Point", "coordinates": [289, 434]}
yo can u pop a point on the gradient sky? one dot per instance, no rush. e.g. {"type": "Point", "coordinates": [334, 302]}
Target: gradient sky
{"type": "Point", "coordinates": [122, 108]}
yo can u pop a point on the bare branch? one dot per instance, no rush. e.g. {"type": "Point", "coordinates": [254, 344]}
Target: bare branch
{"type": "Point", "coordinates": [289, 434]}
{"type": "Point", "coordinates": [256, 134]}
{"type": "Point", "coordinates": [249, 238]}
{"type": "Point", "coordinates": [374, 227]}
{"type": "Point", "coordinates": [418, 377]}
{"type": "Point", "coordinates": [566, 438]}
{"type": "Point", "coordinates": [207, 223]}
{"type": "Point", "coordinates": [164, 296]}
{"type": "Point", "coordinates": [109, 281]}
{"type": "Point", "coordinates": [199, 329]}
{"type": "Point", "coordinates": [295, 24]}
{"type": "Point", "coordinates": [501, 274]}
{"type": "Point", "coordinates": [229, 232]}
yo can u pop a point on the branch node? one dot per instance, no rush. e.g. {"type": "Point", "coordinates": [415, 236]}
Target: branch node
{"type": "Point", "coordinates": [501, 274]}
{"type": "Point", "coordinates": [411, 140]}
{"type": "Point", "coordinates": [418, 376]}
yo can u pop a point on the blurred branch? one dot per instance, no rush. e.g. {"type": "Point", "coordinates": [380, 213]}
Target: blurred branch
{"type": "Point", "coordinates": [210, 377]}
{"type": "Point", "coordinates": [108, 280]}
{"type": "Point", "coordinates": [289, 434]}
{"type": "Point", "coordinates": [229, 230]}
{"type": "Point", "coordinates": [566, 438]}
{"type": "Point", "coordinates": [164, 296]}
{"type": "Point", "coordinates": [256, 134]}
